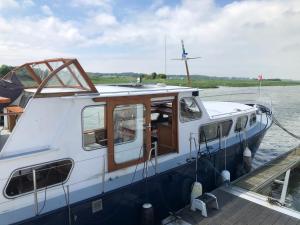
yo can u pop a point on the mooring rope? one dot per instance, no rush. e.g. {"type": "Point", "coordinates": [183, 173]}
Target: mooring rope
{"type": "Point", "coordinates": [276, 122]}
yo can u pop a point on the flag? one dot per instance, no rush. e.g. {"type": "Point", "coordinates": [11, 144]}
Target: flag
{"type": "Point", "coordinates": [260, 77]}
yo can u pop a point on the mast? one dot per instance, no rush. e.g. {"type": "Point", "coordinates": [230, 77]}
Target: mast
{"type": "Point", "coordinates": [165, 55]}
{"type": "Point", "coordinates": [185, 59]}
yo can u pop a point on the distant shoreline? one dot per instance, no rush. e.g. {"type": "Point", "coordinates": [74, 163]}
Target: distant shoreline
{"type": "Point", "coordinates": [199, 83]}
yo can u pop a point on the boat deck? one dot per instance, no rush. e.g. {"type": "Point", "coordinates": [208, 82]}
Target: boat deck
{"type": "Point", "coordinates": [235, 210]}
{"type": "Point", "coordinates": [264, 175]}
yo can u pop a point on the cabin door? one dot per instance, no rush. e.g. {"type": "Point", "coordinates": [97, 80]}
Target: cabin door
{"type": "Point", "coordinates": [129, 131]}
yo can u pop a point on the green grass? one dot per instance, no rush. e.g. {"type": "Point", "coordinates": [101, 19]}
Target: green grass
{"type": "Point", "coordinates": [197, 83]}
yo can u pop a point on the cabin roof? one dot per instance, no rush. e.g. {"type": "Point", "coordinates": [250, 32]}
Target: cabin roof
{"type": "Point", "coordinates": [220, 109]}
{"type": "Point", "coordinates": [128, 88]}
{"type": "Point", "coordinates": [124, 89]}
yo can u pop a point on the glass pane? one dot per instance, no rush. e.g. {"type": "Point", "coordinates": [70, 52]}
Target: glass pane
{"type": "Point", "coordinates": [25, 78]}
{"type": "Point", "coordinates": [68, 78]}
{"type": "Point", "coordinates": [79, 77]}
{"type": "Point", "coordinates": [211, 132]}
{"type": "Point", "coordinates": [94, 129]}
{"type": "Point", "coordinates": [226, 127]}
{"type": "Point", "coordinates": [46, 175]}
{"type": "Point", "coordinates": [241, 123]}
{"type": "Point", "coordinates": [189, 109]}
{"type": "Point", "coordinates": [129, 123]}
{"type": "Point", "coordinates": [53, 173]}
{"type": "Point", "coordinates": [41, 70]}
{"type": "Point", "coordinates": [55, 65]}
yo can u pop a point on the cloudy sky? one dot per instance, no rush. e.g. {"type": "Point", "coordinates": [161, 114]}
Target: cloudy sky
{"type": "Point", "coordinates": [234, 38]}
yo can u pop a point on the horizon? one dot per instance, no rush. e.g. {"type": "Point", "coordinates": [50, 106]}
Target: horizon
{"type": "Point", "coordinates": [241, 38]}
{"type": "Point", "coordinates": [204, 75]}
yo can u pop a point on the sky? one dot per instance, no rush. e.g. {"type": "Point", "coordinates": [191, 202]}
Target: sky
{"type": "Point", "coordinates": [234, 38]}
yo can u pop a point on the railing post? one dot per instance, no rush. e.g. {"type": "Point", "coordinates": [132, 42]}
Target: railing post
{"type": "Point", "coordinates": [103, 175]}
{"type": "Point", "coordinates": [285, 186]}
{"type": "Point", "coordinates": [155, 154]}
{"type": "Point", "coordinates": [36, 206]}
{"type": "Point", "coordinates": [69, 208]}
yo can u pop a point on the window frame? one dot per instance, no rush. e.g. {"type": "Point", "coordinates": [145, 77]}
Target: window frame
{"type": "Point", "coordinates": [82, 125]}
{"type": "Point", "coordinates": [189, 120]}
{"type": "Point", "coordinates": [245, 126]}
{"type": "Point", "coordinates": [39, 189]}
{"type": "Point", "coordinates": [251, 122]}
{"type": "Point", "coordinates": [216, 138]}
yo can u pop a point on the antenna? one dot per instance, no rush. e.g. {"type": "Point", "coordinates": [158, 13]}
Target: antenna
{"type": "Point", "coordinates": [165, 55]}
{"type": "Point", "coordinates": [185, 59]}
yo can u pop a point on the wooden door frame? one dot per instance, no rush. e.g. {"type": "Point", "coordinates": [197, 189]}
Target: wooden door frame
{"type": "Point", "coordinates": [112, 102]}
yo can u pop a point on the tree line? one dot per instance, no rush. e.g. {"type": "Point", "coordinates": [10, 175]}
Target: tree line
{"type": "Point", "coordinates": [4, 69]}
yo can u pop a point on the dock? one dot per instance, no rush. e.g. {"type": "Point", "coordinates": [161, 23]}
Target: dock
{"type": "Point", "coordinates": [235, 210]}
{"type": "Point", "coordinates": [264, 175]}
{"type": "Point", "coordinates": [240, 203]}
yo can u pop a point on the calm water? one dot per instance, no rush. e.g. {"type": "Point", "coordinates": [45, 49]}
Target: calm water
{"type": "Point", "coordinates": [286, 108]}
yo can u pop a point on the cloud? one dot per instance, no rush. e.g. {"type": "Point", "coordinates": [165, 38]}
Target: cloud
{"type": "Point", "coordinates": [46, 10]}
{"type": "Point", "coordinates": [103, 4]}
{"type": "Point", "coordinates": [104, 20]}
{"type": "Point", "coordinates": [6, 4]}
{"type": "Point", "coordinates": [242, 38]}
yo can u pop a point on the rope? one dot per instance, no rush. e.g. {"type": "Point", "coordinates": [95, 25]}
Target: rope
{"type": "Point", "coordinates": [276, 122]}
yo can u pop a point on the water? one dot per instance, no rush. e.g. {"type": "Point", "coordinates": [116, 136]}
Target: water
{"type": "Point", "coordinates": [286, 108]}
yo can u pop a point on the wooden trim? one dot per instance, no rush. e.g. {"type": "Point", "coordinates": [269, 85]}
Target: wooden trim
{"type": "Point", "coordinates": [4, 100]}
{"type": "Point", "coordinates": [38, 93]}
{"type": "Point", "coordinates": [51, 69]}
{"type": "Point", "coordinates": [136, 97]}
{"type": "Point", "coordinates": [33, 74]}
{"type": "Point", "coordinates": [85, 76]}
{"type": "Point", "coordinates": [74, 76]}
{"type": "Point", "coordinates": [61, 94]}
{"type": "Point", "coordinates": [111, 104]}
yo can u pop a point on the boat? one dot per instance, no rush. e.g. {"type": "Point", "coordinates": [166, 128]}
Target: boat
{"type": "Point", "coordinates": [77, 153]}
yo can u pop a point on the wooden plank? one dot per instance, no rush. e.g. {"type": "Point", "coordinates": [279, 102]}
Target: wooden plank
{"type": "Point", "coordinates": [292, 221]}
{"type": "Point", "coordinates": [266, 174]}
{"type": "Point", "coordinates": [282, 220]}
{"type": "Point", "coordinates": [237, 211]}
{"type": "Point", "coordinates": [4, 100]}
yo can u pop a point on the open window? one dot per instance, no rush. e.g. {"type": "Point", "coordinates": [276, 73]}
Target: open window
{"type": "Point", "coordinates": [94, 127]}
{"type": "Point", "coordinates": [164, 124]}
{"type": "Point", "coordinates": [47, 175]}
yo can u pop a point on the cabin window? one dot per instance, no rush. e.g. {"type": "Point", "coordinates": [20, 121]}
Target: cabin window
{"type": "Point", "coordinates": [241, 123]}
{"type": "Point", "coordinates": [211, 131]}
{"type": "Point", "coordinates": [189, 109]}
{"type": "Point", "coordinates": [94, 127]}
{"type": "Point", "coordinates": [47, 175]}
{"type": "Point", "coordinates": [129, 124]}
{"type": "Point", "coordinates": [252, 119]}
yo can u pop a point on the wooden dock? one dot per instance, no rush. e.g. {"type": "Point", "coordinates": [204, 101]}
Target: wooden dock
{"type": "Point", "coordinates": [264, 175]}
{"type": "Point", "coordinates": [237, 211]}
{"type": "Point", "coordinates": [240, 204]}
